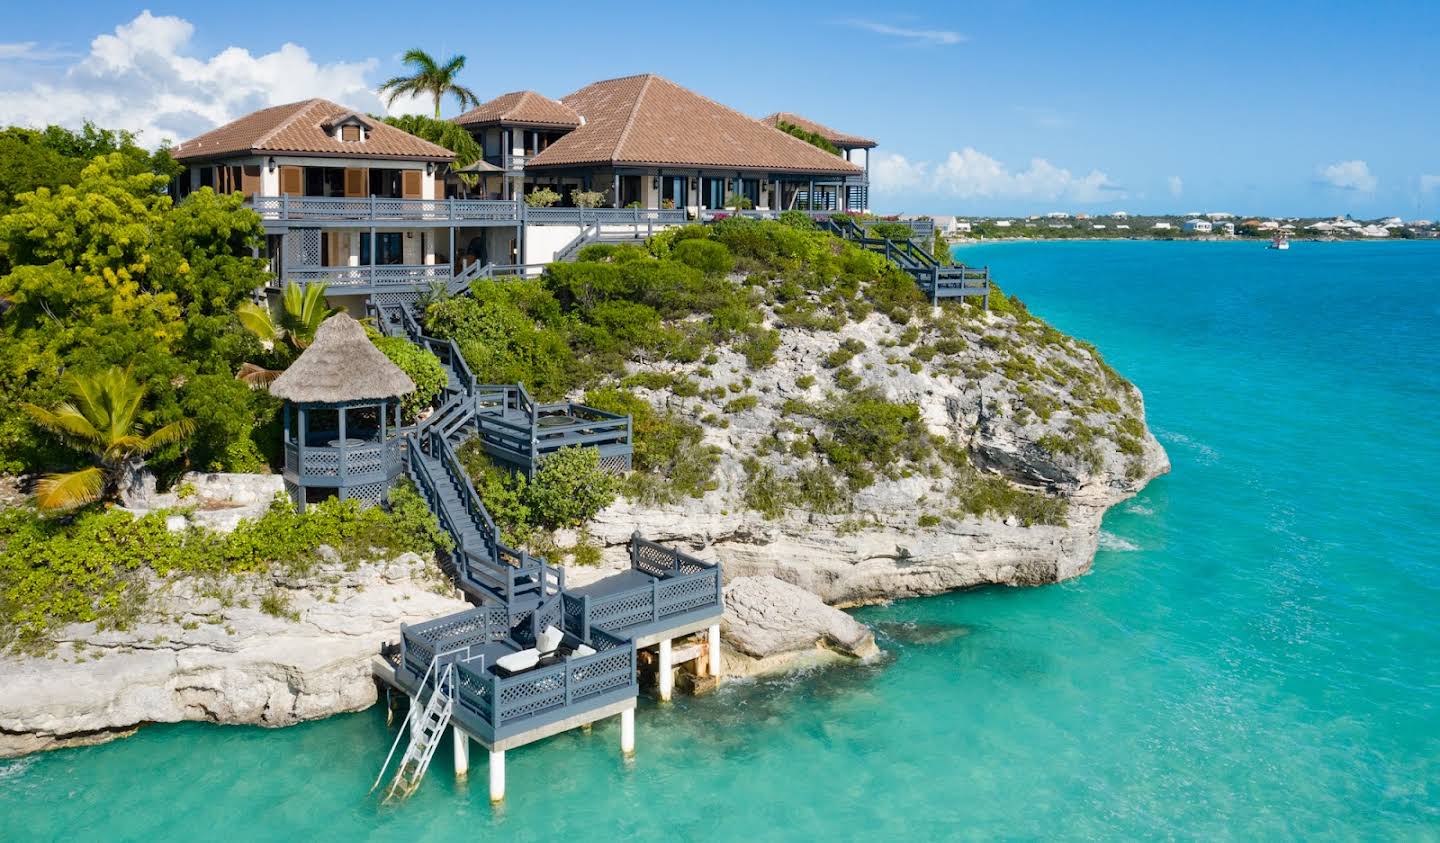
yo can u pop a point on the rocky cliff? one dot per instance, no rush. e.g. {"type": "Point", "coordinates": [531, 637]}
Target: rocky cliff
{"type": "Point", "coordinates": [1038, 437]}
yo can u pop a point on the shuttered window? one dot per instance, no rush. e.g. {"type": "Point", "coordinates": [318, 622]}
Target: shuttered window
{"type": "Point", "coordinates": [292, 181]}
{"type": "Point", "coordinates": [410, 184]}
{"type": "Point", "coordinates": [349, 133]}
{"type": "Point", "coordinates": [250, 179]}
{"type": "Point", "coordinates": [356, 179]}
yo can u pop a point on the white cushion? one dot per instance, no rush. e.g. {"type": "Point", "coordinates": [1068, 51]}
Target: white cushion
{"type": "Point", "coordinates": [549, 640]}
{"type": "Point", "coordinates": [583, 650]}
{"type": "Point", "coordinates": [523, 660]}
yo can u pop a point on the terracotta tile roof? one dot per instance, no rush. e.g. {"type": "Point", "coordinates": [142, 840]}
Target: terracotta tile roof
{"type": "Point", "coordinates": [838, 138]}
{"type": "Point", "coordinates": [521, 107]}
{"type": "Point", "coordinates": [649, 120]}
{"type": "Point", "coordinates": [299, 127]}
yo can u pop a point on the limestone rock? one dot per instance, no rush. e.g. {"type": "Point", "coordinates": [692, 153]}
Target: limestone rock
{"type": "Point", "coordinates": [768, 620]}
{"type": "Point", "coordinates": [207, 652]}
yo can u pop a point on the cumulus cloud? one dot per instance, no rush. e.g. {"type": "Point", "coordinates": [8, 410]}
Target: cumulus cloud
{"type": "Point", "coordinates": [971, 174]}
{"type": "Point", "coordinates": [1429, 183]}
{"type": "Point", "coordinates": [1176, 184]}
{"type": "Point", "coordinates": [918, 37]}
{"type": "Point", "coordinates": [145, 78]}
{"type": "Point", "coordinates": [1349, 175]}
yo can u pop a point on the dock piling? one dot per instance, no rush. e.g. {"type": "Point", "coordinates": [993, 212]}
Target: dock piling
{"type": "Point", "coordinates": [666, 674]}
{"type": "Point", "coordinates": [627, 732]}
{"type": "Point", "coordinates": [712, 639]}
{"type": "Point", "coordinates": [497, 775]}
{"type": "Point", "coordinates": [462, 754]}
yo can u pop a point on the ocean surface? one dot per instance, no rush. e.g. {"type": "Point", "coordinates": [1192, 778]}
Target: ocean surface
{"type": "Point", "coordinates": [1255, 656]}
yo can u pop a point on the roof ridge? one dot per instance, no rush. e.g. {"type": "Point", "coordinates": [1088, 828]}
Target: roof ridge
{"type": "Point", "coordinates": [305, 105]}
{"type": "Point", "coordinates": [634, 110]}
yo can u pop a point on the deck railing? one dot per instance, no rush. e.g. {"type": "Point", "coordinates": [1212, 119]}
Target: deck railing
{"type": "Point", "coordinates": [605, 216]}
{"type": "Point", "coordinates": [369, 461]}
{"type": "Point", "coordinates": [503, 706]}
{"type": "Point", "coordinates": [378, 275]}
{"type": "Point", "coordinates": [513, 427]}
{"type": "Point", "coordinates": [681, 585]}
{"type": "Point", "coordinates": [380, 209]}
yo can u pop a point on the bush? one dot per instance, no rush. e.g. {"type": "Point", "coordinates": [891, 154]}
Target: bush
{"type": "Point", "coordinates": [92, 565]}
{"type": "Point", "coordinates": [760, 346]}
{"type": "Point", "coordinates": [423, 368]}
{"type": "Point", "coordinates": [797, 219]}
{"type": "Point", "coordinates": [587, 198]}
{"type": "Point", "coordinates": [542, 197]}
{"type": "Point", "coordinates": [571, 487]}
{"type": "Point", "coordinates": [705, 255]}
{"type": "Point", "coordinates": [670, 461]}
{"type": "Point", "coordinates": [738, 202]}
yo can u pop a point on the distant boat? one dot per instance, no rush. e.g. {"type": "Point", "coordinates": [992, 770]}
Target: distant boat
{"type": "Point", "coordinates": [1282, 242]}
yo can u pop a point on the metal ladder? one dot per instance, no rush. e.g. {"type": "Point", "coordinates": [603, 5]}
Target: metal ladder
{"type": "Point", "coordinates": [427, 727]}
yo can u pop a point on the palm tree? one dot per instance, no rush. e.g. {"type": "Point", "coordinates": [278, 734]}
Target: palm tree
{"type": "Point", "coordinates": [297, 319]}
{"type": "Point", "coordinates": [430, 77]}
{"type": "Point", "coordinates": [104, 421]}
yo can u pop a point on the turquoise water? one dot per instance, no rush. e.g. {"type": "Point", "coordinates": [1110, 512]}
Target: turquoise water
{"type": "Point", "coordinates": [1255, 656]}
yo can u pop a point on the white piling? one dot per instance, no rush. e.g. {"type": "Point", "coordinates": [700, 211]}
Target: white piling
{"type": "Point", "coordinates": [712, 636]}
{"type": "Point", "coordinates": [627, 731]}
{"type": "Point", "coordinates": [666, 672]}
{"type": "Point", "coordinates": [462, 754]}
{"type": "Point", "coordinates": [497, 776]}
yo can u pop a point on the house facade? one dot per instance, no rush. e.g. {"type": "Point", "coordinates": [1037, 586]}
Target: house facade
{"type": "Point", "coordinates": [380, 215]}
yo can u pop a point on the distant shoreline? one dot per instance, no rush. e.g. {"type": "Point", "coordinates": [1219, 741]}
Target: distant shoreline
{"type": "Point", "coordinates": [969, 242]}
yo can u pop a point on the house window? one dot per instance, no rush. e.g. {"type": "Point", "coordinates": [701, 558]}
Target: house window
{"type": "Point", "coordinates": [385, 183]}
{"type": "Point", "coordinates": [713, 192]}
{"type": "Point", "coordinates": [207, 177]}
{"type": "Point", "coordinates": [324, 181]}
{"type": "Point", "coordinates": [390, 251]}
{"type": "Point", "coordinates": [350, 133]}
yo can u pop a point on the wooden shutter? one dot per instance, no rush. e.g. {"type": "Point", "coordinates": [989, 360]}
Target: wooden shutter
{"type": "Point", "coordinates": [356, 179]}
{"type": "Point", "coordinates": [439, 186]}
{"type": "Point", "coordinates": [292, 181]}
{"type": "Point", "coordinates": [349, 133]}
{"type": "Point", "coordinates": [250, 180]}
{"type": "Point", "coordinates": [410, 184]}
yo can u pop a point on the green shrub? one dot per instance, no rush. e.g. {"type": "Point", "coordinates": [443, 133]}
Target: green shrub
{"type": "Point", "coordinates": [707, 256]}
{"type": "Point", "coordinates": [571, 487]}
{"type": "Point", "coordinates": [805, 381]}
{"type": "Point", "coordinates": [760, 346]}
{"type": "Point", "coordinates": [670, 461]}
{"type": "Point", "coordinates": [91, 565]}
{"type": "Point", "coordinates": [741, 404]}
{"type": "Point", "coordinates": [542, 197]}
{"type": "Point", "coordinates": [797, 219]}
{"type": "Point", "coordinates": [844, 354]}
{"type": "Point", "coordinates": [423, 368]}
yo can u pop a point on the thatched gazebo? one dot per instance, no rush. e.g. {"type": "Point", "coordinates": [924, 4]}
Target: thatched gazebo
{"type": "Point", "coordinates": [342, 416]}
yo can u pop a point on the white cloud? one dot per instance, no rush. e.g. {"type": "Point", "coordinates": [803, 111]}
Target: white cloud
{"type": "Point", "coordinates": [1429, 183]}
{"type": "Point", "coordinates": [1176, 184]}
{"type": "Point", "coordinates": [927, 37]}
{"type": "Point", "coordinates": [30, 51]}
{"type": "Point", "coordinates": [1349, 175]}
{"type": "Point", "coordinates": [142, 77]}
{"type": "Point", "coordinates": [971, 174]}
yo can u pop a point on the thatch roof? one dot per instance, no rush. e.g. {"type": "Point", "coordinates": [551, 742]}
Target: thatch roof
{"type": "Point", "coordinates": [341, 365]}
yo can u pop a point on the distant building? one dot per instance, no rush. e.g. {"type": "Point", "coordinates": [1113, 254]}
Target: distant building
{"type": "Point", "coordinates": [1374, 231]}
{"type": "Point", "coordinates": [1122, 227]}
{"type": "Point", "coordinates": [1228, 229]}
{"type": "Point", "coordinates": [1268, 225]}
{"type": "Point", "coordinates": [1198, 226]}
{"type": "Point", "coordinates": [1058, 215]}
{"type": "Point", "coordinates": [1003, 223]}
{"type": "Point", "coordinates": [1162, 226]}
{"type": "Point", "coordinates": [1098, 226]}
{"type": "Point", "coordinates": [1119, 215]}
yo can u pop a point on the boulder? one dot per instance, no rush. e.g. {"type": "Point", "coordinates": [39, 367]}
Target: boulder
{"type": "Point", "coordinates": [769, 624]}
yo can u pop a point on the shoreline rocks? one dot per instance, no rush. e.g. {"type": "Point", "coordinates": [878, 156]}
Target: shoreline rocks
{"type": "Point", "coordinates": [771, 625]}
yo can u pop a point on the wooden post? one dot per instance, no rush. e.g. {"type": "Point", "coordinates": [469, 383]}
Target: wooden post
{"type": "Point", "coordinates": [666, 675]}
{"type": "Point", "coordinates": [462, 754]}
{"type": "Point", "coordinates": [497, 775]}
{"type": "Point", "coordinates": [627, 731]}
{"type": "Point", "coordinates": [712, 639]}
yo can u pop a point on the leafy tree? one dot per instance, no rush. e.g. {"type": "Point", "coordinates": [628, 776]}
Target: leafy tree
{"type": "Point", "coordinates": [541, 197]}
{"type": "Point", "coordinates": [429, 77]}
{"type": "Point", "coordinates": [571, 487]}
{"type": "Point", "coordinates": [105, 419]}
{"type": "Point", "coordinates": [286, 329]}
{"type": "Point", "coordinates": [812, 138]}
{"type": "Point", "coordinates": [423, 368]}
{"type": "Point", "coordinates": [444, 133]}
{"type": "Point", "coordinates": [106, 272]}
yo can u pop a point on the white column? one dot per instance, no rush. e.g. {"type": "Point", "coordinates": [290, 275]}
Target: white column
{"type": "Point", "coordinates": [352, 240]}
{"type": "Point", "coordinates": [627, 731]}
{"type": "Point", "coordinates": [497, 776]}
{"type": "Point", "coordinates": [667, 677]}
{"type": "Point", "coordinates": [462, 754]}
{"type": "Point", "coordinates": [427, 245]}
{"type": "Point", "coordinates": [712, 637]}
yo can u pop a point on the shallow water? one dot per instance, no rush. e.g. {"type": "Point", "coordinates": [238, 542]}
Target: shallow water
{"type": "Point", "coordinates": [1256, 654]}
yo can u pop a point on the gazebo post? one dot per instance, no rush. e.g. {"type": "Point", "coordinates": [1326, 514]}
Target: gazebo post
{"type": "Point", "coordinates": [300, 456]}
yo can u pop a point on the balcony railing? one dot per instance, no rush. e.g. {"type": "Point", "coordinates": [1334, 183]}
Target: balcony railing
{"type": "Point", "coordinates": [378, 209]}
{"type": "Point", "coordinates": [369, 276]}
{"type": "Point", "coordinates": [605, 216]}
{"type": "Point", "coordinates": [680, 586]}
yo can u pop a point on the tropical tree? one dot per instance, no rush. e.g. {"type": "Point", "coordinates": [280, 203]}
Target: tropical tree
{"type": "Point", "coordinates": [429, 77]}
{"type": "Point", "coordinates": [104, 419]}
{"type": "Point", "coordinates": [294, 322]}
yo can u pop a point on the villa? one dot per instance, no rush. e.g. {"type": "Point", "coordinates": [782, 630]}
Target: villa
{"type": "Point", "coordinates": [1198, 226]}
{"type": "Point", "coordinates": [383, 217]}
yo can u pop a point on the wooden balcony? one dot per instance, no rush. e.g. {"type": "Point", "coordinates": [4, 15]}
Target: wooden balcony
{"type": "Point", "coordinates": [373, 209]}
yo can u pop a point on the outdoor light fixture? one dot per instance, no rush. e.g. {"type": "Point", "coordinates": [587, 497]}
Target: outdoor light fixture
{"type": "Point", "coordinates": [655, 182]}
{"type": "Point", "coordinates": [429, 168]}
{"type": "Point", "coordinates": [271, 163]}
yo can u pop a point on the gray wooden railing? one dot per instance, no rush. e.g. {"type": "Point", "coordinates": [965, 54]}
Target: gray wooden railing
{"type": "Point", "coordinates": [362, 208]}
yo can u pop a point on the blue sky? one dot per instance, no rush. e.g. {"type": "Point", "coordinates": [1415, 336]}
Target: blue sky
{"type": "Point", "coordinates": [988, 108]}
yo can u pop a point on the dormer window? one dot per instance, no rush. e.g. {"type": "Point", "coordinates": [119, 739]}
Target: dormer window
{"type": "Point", "coordinates": [348, 127]}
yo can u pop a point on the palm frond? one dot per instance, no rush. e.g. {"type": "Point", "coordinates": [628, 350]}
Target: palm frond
{"type": "Point", "coordinates": [256, 319]}
{"type": "Point", "coordinates": [256, 376]}
{"type": "Point", "coordinates": [171, 433]}
{"type": "Point", "coordinates": [65, 421]}
{"type": "Point", "coordinates": [75, 488]}
{"type": "Point", "coordinates": [422, 60]}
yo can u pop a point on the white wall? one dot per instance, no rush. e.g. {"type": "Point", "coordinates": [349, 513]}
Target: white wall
{"type": "Point", "coordinates": [543, 241]}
